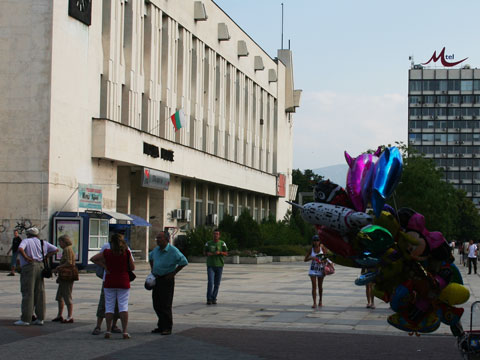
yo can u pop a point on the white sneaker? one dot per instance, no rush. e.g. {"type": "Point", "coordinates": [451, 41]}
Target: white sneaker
{"type": "Point", "coordinates": [37, 322]}
{"type": "Point", "coordinates": [21, 323]}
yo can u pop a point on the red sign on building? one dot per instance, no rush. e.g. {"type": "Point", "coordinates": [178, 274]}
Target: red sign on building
{"type": "Point", "coordinates": [281, 185]}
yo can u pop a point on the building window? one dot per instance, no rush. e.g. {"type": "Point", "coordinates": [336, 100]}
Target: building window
{"type": "Point", "coordinates": [415, 85]}
{"type": "Point", "coordinates": [453, 85]}
{"type": "Point", "coordinates": [230, 208]}
{"type": "Point", "coordinates": [466, 85]}
{"type": "Point", "coordinates": [98, 233]}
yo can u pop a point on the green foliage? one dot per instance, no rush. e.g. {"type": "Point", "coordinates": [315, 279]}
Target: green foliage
{"type": "Point", "coordinates": [246, 231]}
{"type": "Point", "coordinates": [306, 180]}
{"type": "Point", "coordinates": [196, 239]}
{"type": "Point", "coordinates": [445, 208]}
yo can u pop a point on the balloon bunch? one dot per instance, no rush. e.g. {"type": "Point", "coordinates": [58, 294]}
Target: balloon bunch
{"type": "Point", "coordinates": [411, 268]}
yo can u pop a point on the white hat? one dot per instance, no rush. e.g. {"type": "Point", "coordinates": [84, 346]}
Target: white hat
{"type": "Point", "coordinates": [33, 231]}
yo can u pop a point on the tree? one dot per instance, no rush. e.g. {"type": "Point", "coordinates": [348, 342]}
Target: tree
{"type": "Point", "coordinates": [445, 208]}
{"type": "Point", "coordinates": [306, 180]}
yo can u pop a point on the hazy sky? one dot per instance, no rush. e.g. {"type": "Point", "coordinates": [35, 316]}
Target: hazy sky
{"type": "Point", "coordinates": [351, 61]}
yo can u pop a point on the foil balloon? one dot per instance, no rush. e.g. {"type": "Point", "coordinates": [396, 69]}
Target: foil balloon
{"type": "Point", "coordinates": [360, 178]}
{"type": "Point", "coordinates": [339, 218]}
{"type": "Point", "coordinates": [334, 241]}
{"type": "Point", "coordinates": [388, 171]}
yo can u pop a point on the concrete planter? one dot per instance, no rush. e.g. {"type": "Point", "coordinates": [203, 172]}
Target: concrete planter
{"type": "Point", "coordinates": [256, 260]}
{"type": "Point", "coordinates": [235, 259]}
{"type": "Point", "coordinates": [288, 258]}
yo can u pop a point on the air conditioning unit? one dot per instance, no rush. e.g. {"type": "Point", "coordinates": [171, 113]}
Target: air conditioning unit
{"type": "Point", "coordinates": [188, 215]}
{"type": "Point", "coordinates": [431, 117]}
{"type": "Point", "coordinates": [461, 117]}
{"type": "Point", "coordinates": [474, 117]}
{"type": "Point", "coordinates": [456, 142]}
{"type": "Point", "coordinates": [212, 219]}
{"type": "Point", "coordinates": [457, 117]}
{"type": "Point", "coordinates": [448, 167]}
{"type": "Point", "coordinates": [458, 129]}
{"type": "Point", "coordinates": [444, 129]}
{"type": "Point", "coordinates": [444, 155]}
{"type": "Point", "coordinates": [177, 214]}
{"type": "Point", "coordinates": [469, 168]}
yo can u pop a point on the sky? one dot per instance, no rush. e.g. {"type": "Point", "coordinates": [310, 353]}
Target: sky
{"type": "Point", "coordinates": [351, 59]}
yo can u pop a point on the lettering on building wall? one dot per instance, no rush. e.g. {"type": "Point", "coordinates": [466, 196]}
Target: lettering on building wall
{"type": "Point", "coordinates": [167, 154]}
{"type": "Point", "coordinates": [151, 150]}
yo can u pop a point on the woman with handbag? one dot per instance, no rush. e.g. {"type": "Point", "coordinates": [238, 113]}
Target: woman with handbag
{"type": "Point", "coordinates": [316, 272]}
{"type": "Point", "coordinates": [118, 264]}
{"type": "Point", "coordinates": [66, 276]}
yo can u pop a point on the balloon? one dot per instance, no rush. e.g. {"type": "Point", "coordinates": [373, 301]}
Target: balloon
{"type": "Point", "coordinates": [360, 178]}
{"type": "Point", "coordinates": [328, 192]}
{"type": "Point", "coordinates": [388, 171]}
{"type": "Point", "coordinates": [334, 242]}
{"type": "Point", "coordinates": [454, 294]}
{"type": "Point", "coordinates": [428, 324]}
{"type": "Point", "coordinates": [375, 239]}
{"type": "Point", "coordinates": [339, 218]}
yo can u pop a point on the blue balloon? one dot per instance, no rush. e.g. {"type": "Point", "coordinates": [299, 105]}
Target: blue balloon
{"type": "Point", "coordinates": [388, 172]}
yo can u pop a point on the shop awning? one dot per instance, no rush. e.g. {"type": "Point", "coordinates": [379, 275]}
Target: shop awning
{"type": "Point", "coordinates": [138, 221]}
{"type": "Point", "coordinates": [117, 215]}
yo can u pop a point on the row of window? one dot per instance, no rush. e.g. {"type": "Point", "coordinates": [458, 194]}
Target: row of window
{"type": "Point", "coordinates": [443, 111]}
{"type": "Point", "coordinates": [444, 124]}
{"type": "Point", "coordinates": [458, 162]}
{"type": "Point", "coordinates": [444, 99]}
{"type": "Point", "coordinates": [440, 150]}
{"type": "Point", "coordinates": [458, 138]}
{"type": "Point", "coordinates": [444, 85]}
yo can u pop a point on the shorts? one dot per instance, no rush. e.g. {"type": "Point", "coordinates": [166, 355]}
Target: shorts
{"type": "Point", "coordinates": [13, 260]}
{"type": "Point", "coordinates": [64, 292]}
{"type": "Point", "coordinates": [115, 295]}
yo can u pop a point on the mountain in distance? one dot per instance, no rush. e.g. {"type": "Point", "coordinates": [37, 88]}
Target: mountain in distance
{"type": "Point", "coordinates": [335, 173]}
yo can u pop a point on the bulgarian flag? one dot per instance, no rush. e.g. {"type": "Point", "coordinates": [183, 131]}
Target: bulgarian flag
{"type": "Point", "coordinates": [178, 119]}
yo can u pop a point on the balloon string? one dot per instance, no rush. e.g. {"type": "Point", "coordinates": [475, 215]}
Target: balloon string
{"type": "Point", "coordinates": [395, 204]}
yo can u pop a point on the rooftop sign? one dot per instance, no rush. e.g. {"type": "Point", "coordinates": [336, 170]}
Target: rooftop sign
{"type": "Point", "coordinates": [443, 59]}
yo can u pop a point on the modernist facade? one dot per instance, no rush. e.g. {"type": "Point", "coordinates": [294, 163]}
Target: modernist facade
{"type": "Point", "coordinates": [444, 122]}
{"type": "Point", "coordinates": [88, 89]}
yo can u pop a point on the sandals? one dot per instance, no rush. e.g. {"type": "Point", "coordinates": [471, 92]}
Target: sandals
{"type": "Point", "coordinates": [116, 330]}
{"type": "Point", "coordinates": [126, 336]}
{"type": "Point", "coordinates": [96, 331]}
{"type": "Point", "coordinates": [67, 321]}
{"type": "Point", "coordinates": [108, 335]}
{"type": "Point", "coordinates": [58, 319]}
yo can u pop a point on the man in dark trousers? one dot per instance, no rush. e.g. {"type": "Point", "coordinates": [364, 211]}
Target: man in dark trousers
{"type": "Point", "coordinates": [165, 261]}
{"type": "Point", "coordinates": [14, 249]}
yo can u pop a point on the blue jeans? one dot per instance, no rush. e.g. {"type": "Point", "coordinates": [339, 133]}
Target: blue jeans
{"type": "Point", "coordinates": [214, 277]}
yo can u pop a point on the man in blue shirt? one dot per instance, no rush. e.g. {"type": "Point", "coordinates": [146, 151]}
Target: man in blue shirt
{"type": "Point", "coordinates": [165, 261]}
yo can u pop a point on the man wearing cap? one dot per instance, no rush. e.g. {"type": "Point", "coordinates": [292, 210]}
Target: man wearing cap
{"type": "Point", "coordinates": [165, 261]}
{"type": "Point", "coordinates": [31, 280]}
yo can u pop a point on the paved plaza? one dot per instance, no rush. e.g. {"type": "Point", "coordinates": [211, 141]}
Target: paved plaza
{"type": "Point", "coordinates": [263, 312]}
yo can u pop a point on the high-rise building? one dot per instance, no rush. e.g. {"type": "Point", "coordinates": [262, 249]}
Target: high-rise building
{"type": "Point", "coordinates": [444, 121]}
{"type": "Point", "coordinates": [89, 89]}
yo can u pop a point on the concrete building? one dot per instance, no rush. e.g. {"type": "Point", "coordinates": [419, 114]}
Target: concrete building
{"type": "Point", "coordinates": [444, 122]}
{"type": "Point", "coordinates": [88, 89]}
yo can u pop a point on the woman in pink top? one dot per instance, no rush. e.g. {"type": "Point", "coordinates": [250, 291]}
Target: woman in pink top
{"type": "Point", "coordinates": [117, 261]}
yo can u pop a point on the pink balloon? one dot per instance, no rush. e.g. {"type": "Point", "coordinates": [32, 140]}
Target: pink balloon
{"type": "Point", "coordinates": [360, 178]}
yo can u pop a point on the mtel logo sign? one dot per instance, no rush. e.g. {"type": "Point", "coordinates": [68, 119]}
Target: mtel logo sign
{"type": "Point", "coordinates": [443, 58]}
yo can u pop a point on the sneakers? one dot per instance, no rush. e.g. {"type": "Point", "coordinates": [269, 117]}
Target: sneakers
{"type": "Point", "coordinates": [21, 323]}
{"type": "Point", "coordinates": [38, 322]}
{"type": "Point", "coordinates": [209, 302]}
{"type": "Point", "coordinates": [67, 321]}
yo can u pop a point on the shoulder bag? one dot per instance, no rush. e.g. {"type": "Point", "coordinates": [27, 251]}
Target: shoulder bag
{"type": "Point", "coordinates": [47, 271]}
{"type": "Point", "coordinates": [131, 275]}
{"type": "Point", "coordinates": [329, 269]}
{"type": "Point", "coordinates": [68, 273]}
